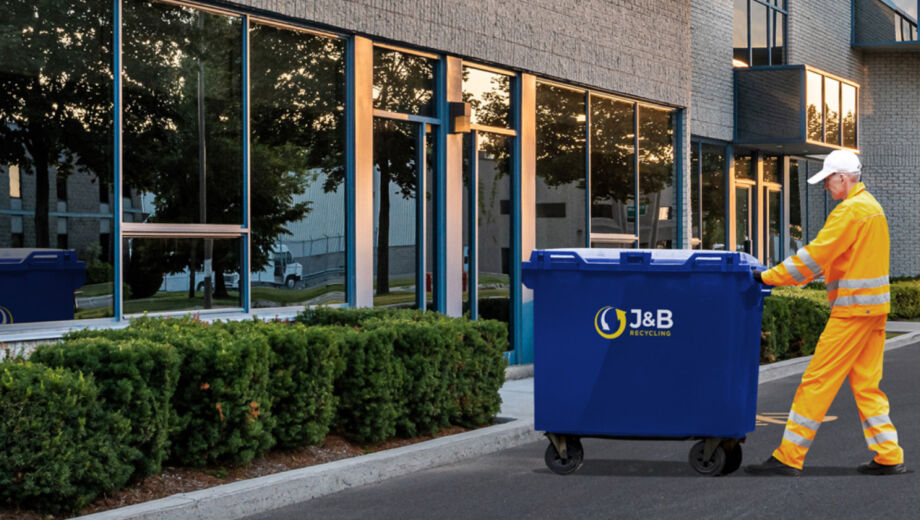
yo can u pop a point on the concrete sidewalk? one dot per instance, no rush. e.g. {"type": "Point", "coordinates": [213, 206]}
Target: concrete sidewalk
{"type": "Point", "coordinates": [513, 426]}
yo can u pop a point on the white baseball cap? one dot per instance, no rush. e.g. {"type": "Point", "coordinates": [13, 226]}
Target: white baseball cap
{"type": "Point", "coordinates": [837, 161]}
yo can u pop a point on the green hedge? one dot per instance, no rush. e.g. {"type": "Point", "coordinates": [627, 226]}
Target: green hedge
{"type": "Point", "coordinates": [304, 366]}
{"type": "Point", "coordinates": [59, 447]}
{"type": "Point", "coordinates": [120, 402]}
{"type": "Point", "coordinates": [905, 300]}
{"type": "Point", "coordinates": [136, 378]}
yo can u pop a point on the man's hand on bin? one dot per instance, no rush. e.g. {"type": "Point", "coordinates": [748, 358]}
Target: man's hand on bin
{"type": "Point", "coordinates": [757, 277]}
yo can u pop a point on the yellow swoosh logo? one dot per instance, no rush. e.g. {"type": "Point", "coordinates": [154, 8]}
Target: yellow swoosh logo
{"type": "Point", "coordinates": [600, 317]}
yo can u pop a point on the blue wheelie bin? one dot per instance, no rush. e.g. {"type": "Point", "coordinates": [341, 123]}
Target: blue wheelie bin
{"type": "Point", "coordinates": [645, 344]}
{"type": "Point", "coordinates": [38, 284]}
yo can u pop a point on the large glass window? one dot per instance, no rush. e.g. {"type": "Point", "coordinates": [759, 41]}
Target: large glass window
{"type": "Point", "coordinates": [403, 82]}
{"type": "Point", "coordinates": [707, 203]}
{"type": "Point", "coordinates": [561, 165]}
{"type": "Point", "coordinates": [56, 122]}
{"type": "Point", "coordinates": [297, 197]}
{"type": "Point", "coordinates": [831, 112]}
{"type": "Point", "coordinates": [759, 32]}
{"type": "Point", "coordinates": [657, 176]}
{"type": "Point", "coordinates": [814, 84]}
{"type": "Point", "coordinates": [489, 94]}
{"type": "Point", "coordinates": [613, 169]}
{"type": "Point", "coordinates": [183, 126]}
{"type": "Point", "coordinates": [168, 274]}
{"type": "Point", "coordinates": [848, 115]}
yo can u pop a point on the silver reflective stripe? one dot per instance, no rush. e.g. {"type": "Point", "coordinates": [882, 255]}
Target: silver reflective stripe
{"type": "Point", "coordinates": [858, 283]}
{"type": "Point", "coordinates": [793, 270]}
{"type": "Point", "coordinates": [878, 420]}
{"type": "Point", "coordinates": [804, 421]}
{"type": "Point", "coordinates": [861, 299]}
{"type": "Point", "coordinates": [882, 437]}
{"type": "Point", "coordinates": [809, 261]}
{"type": "Point", "coordinates": [795, 438]}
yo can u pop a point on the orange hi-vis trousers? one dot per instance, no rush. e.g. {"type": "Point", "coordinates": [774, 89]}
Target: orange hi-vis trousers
{"type": "Point", "coordinates": [851, 347]}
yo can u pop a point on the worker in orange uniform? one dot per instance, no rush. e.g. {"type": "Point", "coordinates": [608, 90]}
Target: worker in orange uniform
{"type": "Point", "coordinates": [851, 251]}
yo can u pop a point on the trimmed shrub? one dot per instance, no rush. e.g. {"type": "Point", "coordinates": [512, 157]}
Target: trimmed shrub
{"type": "Point", "coordinates": [305, 364]}
{"type": "Point", "coordinates": [59, 447]}
{"type": "Point", "coordinates": [136, 379]}
{"type": "Point", "coordinates": [905, 300]}
{"type": "Point", "coordinates": [222, 404]}
{"type": "Point", "coordinates": [480, 371]}
{"type": "Point", "coordinates": [321, 315]}
{"type": "Point", "coordinates": [792, 323]}
{"type": "Point", "coordinates": [222, 399]}
{"type": "Point", "coordinates": [368, 386]}
{"type": "Point", "coordinates": [99, 272]}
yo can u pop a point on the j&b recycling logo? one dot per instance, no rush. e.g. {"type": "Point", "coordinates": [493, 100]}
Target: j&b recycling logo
{"type": "Point", "coordinates": [6, 317]}
{"type": "Point", "coordinates": [645, 323]}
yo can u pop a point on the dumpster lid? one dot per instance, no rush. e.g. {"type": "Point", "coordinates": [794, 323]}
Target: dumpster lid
{"type": "Point", "coordinates": [19, 255]}
{"type": "Point", "coordinates": [640, 260]}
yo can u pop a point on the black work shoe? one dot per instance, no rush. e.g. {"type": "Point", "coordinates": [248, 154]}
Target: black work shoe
{"type": "Point", "coordinates": [874, 468]}
{"type": "Point", "coordinates": [772, 466]}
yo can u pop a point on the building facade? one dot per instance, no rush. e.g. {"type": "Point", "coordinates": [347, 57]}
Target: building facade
{"type": "Point", "coordinates": [258, 156]}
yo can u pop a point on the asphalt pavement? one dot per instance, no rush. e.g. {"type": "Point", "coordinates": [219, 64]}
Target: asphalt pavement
{"type": "Point", "coordinates": [652, 479]}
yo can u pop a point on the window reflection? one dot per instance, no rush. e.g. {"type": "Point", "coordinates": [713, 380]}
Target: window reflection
{"type": "Point", "coordinates": [657, 194]}
{"type": "Point", "coordinates": [56, 121]}
{"type": "Point", "coordinates": [772, 169]}
{"type": "Point", "coordinates": [561, 167]}
{"type": "Point", "coordinates": [743, 238]}
{"type": "Point", "coordinates": [815, 110]}
{"type": "Point", "coordinates": [297, 189]}
{"type": "Point", "coordinates": [183, 128]}
{"type": "Point", "coordinates": [613, 171]}
{"type": "Point", "coordinates": [395, 196]}
{"type": "Point", "coordinates": [759, 48]}
{"type": "Point", "coordinates": [489, 95]}
{"type": "Point", "coordinates": [744, 168]}
{"type": "Point", "coordinates": [774, 254]}
{"type": "Point", "coordinates": [403, 82]}
{"type": "Point", "coordinates": [832, 107]}
{"type": "Point", "coordinates": [796, 203]}
{"type": "Point", "coordinates": [848, 111]}
{"type": "Point", "coordinates": [181, 274]}
{"type": "Point", "coordinates": [740, 33]}
{"type": "Point", "coordinates": [779, 39]}
{"type": "Point", "coordinates": [713, 197]}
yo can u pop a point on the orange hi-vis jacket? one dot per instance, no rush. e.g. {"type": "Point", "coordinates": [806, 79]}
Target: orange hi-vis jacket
{"type": "Point", "coordinates": [851, 251]}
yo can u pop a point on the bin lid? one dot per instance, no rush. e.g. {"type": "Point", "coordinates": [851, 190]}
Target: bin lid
{"type": "Point", "coordinates": [14, 258]}
{"type": "Point", "coordinates": [599, 259]}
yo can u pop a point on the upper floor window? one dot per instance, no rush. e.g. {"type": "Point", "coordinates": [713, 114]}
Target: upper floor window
{"type": "Point", "coordinates": [759, 35]}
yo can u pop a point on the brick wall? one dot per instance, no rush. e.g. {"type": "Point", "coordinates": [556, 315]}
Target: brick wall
{"type": "Point", "coordinates": [634, 47]}
{"type": "Point", "coordinates": [889, 137]}
{"type": "Point", "coordinates": [819, 35]}
{"type": "Point", "coordinates": [711, 106]}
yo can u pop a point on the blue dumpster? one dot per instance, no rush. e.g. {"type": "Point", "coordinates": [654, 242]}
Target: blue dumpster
{"type": "Point", "coordinates": [38, 284]}
{"type": "Point", "coordinates": [645, 344]}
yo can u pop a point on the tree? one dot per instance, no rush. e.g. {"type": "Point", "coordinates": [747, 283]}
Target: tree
{"type": "Point", "coordinates": [56, 93]}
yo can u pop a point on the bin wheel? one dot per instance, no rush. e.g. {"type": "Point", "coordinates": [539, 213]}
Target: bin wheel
{"type": "Point", "coordinates": [708, 468]}
{"type": "Point", "coordinates": [575, 457]}
{"type": "Point", "coordinates": [732, 460]}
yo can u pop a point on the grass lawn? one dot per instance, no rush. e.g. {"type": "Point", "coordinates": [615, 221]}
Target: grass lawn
{"type": "Point", "coordinates": [96, 289]}
{"type": "Point", "coordinates": [288, 296]}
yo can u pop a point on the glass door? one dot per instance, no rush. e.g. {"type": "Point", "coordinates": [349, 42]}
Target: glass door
{"type": "Point", "coordinates": [743, 218]}
{"type": "Point", "coordinates": [487, 223]}
{"type": "Point", "coordinates": [773, 217]}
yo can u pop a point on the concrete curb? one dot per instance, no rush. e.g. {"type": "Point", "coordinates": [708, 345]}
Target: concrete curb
{"type": "Point", "coordinates": [259, 495]}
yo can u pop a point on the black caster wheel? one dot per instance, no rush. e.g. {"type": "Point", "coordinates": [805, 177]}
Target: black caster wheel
{"type": "Point", "coordinates": [575, 456]}
{"type": "Point", "coordinates": [732, 459]}
{"type": "Point", "coordinates": [711, 467]}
